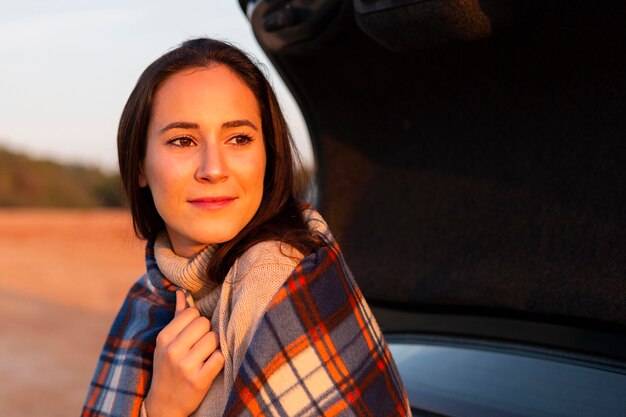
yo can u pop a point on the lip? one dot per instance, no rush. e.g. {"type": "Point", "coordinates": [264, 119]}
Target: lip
{"type": "Point", "coordinates": [212, 203]}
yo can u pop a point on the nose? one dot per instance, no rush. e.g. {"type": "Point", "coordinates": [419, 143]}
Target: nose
{"type": "Point", "coordinates": [212, 166]}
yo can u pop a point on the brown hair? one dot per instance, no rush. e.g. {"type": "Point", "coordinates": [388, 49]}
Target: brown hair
{"type": "Point", "coordinates": [278, 216]}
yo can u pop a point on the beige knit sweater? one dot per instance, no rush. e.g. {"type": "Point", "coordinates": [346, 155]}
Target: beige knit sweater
{"type": "Point", "coordinates": [234, 307]}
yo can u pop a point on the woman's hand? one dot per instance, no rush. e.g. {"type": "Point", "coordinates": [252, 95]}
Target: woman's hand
{"type": "Point", "coordinates": [186, 361]}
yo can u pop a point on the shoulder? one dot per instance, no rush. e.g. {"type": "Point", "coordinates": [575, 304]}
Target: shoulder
{"type": "Point", "coordinates": [143, 313]}
{"type": "Point", "coordinates": [267, 256]}
{"type": "Point", "coordinates": [262, 270]}
{"type": "Point", "coordinates": [126, 359]}
{"type": "Point", "coordinates": [254, 279]}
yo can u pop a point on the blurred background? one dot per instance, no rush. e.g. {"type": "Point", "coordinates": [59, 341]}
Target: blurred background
{"type": "Point", "coordinates": [67, 251]}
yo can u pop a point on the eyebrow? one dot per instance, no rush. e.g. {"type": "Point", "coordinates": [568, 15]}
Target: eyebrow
{"type": "Point", "coordinates": [180, 125]}
{"type": "Point", "coordinates": [239, 123]}
{"type": "Point", "coordinates": [227, 125]}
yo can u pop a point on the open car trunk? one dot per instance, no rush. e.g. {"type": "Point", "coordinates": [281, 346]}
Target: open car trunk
{"type": "Point", "coordinates": [471, 158]}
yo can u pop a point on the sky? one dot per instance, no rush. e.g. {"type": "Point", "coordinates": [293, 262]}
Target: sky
{"type": "Point", "coordinates": [68, 66]}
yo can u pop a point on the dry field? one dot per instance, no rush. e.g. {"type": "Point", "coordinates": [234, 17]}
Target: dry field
{"type": "Point", "coordinates": [63, 276]}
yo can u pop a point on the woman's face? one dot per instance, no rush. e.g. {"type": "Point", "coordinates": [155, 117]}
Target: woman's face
{"type": "Point", "coordinates": [205, 157]}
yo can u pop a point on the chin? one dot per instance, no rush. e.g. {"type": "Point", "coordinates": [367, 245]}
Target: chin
{"type": "Point", "coordinates": [219, 237]}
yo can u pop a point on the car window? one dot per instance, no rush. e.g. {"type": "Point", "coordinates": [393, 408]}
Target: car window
{"type": "Point", "coordinates": [500, 381]}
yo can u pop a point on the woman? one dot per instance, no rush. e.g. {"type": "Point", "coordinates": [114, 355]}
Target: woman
{"type": "Point", "coordinates": [247, 307]}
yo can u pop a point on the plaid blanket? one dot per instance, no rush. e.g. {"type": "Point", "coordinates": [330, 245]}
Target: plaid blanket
{"type": "Point", "coordinates": [124, 370]}
{"type": "Point", "coordinates": [317, 350]}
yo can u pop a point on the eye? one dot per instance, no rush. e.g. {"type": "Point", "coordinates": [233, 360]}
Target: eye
{"type": "Point", "coordinates": [182, 142]}
{"type": "Point", "coordinates": [240, 139]}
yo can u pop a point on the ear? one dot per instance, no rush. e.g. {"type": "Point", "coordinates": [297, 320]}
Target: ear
{"type": "Point", "coordinates": [143, 182]}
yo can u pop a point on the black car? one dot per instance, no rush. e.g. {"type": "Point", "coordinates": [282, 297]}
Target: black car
{"type": "Point", "coordinates": [471, 159]}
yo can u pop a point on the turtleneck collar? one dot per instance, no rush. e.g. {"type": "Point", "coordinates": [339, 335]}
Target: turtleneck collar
{"type": "Point", "coordinates": [187, 273]}
{"type": "Point", "coordinates": [165, 268]}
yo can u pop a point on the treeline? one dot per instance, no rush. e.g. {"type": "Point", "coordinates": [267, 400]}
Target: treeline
{"type": "Point", "coordinates": [29, 182]}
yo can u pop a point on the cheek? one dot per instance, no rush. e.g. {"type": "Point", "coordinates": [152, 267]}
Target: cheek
{"type": "Point", "coordinates": [167, 185]}
{"type": "Point", "coordinates": [162, 182]}
{"type": "Point", "coordinates": [251, 173]}
{"type": "Point", "coordinates": [259, 176]}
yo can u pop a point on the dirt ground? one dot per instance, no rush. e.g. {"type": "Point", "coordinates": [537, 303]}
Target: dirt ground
{"type": "Point", "coordinates": [63, 276]}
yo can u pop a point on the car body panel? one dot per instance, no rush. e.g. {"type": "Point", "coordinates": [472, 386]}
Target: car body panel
{"type": "Point", "coordinates": [470, 160]}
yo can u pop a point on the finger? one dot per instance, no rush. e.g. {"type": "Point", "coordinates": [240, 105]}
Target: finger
{"type": "Point", "coordinates": [211, 367]}
{"type": "Point", "coordinates": [177, 325]}
{"type": "Point", "coordinates": [204, 347]}
{"type": "Point", "coordinates": [190, 335]}
{"type": "Point", "coordinates": [180, 302]}
{"type": "Point", "coordinates": [199, 353]}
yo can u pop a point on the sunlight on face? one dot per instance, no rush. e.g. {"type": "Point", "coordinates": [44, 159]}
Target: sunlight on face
{"type": "Point", "coordinates": [205, 157]}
